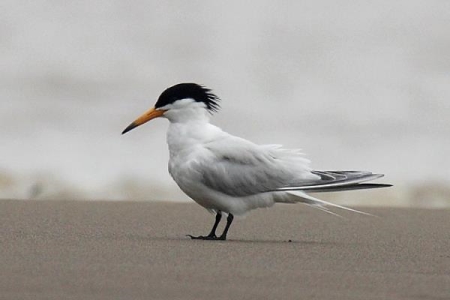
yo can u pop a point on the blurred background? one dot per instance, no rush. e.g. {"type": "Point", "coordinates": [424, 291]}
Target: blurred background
{"type": "Point", "coordinates": [355, 84]}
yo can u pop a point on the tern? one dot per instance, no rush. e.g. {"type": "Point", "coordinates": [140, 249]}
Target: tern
{"type": "Point", "coordinates": [230, 175]}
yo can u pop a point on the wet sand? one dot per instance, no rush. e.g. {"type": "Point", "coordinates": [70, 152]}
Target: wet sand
{"type": "Point", "coordinates": [138, 250]}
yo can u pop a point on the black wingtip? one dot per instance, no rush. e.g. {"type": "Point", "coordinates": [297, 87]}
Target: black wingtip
{"type": "Point", "coordinates": [130, 127]}
{"type": "Point", "coordinates": [358, 186]}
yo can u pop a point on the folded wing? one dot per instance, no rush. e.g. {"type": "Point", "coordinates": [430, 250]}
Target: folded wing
{"type": "Point", "coordinates": [240, 168]}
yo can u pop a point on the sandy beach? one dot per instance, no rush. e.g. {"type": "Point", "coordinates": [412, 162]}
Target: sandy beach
{"type": "Point", "coordinates": [138, 250]}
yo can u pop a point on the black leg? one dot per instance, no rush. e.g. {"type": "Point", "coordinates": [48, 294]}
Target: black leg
{"type": "Point", "coordinates": [225, 231]}
{"type": "Point", "coordinates": [216, 223]}
{"type": "Point", "coordinates": [212, 234]}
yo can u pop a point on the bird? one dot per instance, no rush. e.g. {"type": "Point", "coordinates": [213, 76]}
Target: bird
{"type": "Point", "coordinates": [229, 175]}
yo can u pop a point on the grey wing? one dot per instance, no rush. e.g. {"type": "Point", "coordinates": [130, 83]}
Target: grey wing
{"type": "Point", "coordinates": [240, 168]}
{"type": "Point", "coordinates": [238, 178]}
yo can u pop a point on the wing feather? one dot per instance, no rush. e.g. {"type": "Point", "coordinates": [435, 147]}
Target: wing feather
{"type": "Point", "coordinates": [239, 168]}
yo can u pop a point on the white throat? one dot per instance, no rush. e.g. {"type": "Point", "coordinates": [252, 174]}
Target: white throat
{"type": "Point", "coordinates": [189, 127]}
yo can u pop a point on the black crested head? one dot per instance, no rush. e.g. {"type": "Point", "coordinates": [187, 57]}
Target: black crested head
{"type": "Point", "coordinates": [189, 90]}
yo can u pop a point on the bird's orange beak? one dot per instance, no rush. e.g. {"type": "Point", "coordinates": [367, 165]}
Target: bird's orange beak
{"type": "Point", "coordinates": [147, 116]}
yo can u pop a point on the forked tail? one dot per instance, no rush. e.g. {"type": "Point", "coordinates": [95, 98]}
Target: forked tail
{"type": "Point", "coordinates": [334, 181]}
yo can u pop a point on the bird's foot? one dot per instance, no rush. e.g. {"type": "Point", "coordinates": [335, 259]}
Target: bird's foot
{"type": "Point", "coordinates": [207, 237]}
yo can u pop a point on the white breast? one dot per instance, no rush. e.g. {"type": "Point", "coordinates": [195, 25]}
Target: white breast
{"type": "Point", "coordinates": [186, 143]}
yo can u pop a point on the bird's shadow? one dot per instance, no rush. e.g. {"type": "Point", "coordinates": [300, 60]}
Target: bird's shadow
{"type": "Point", "coordinates": [273, 241]}
{"type": "Point", "coordinates": [183, 239]}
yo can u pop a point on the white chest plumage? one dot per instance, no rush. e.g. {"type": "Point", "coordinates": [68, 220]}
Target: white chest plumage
{"type": "Point", "coordinates": [188, 148]}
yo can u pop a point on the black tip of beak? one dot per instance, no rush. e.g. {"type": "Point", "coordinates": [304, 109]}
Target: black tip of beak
{"type": "Point", "coordinates": [131, 126]}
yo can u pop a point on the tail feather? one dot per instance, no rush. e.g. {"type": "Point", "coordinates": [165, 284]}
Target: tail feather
{"type": "Point", "coordinates": [333, 181]}
{"type": "Point", "coordinates": [325, 209]}
{"type": "Point", "coordinates": [321, 204]}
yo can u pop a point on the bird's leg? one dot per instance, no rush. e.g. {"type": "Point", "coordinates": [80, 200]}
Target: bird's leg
{"type": "Point", "coordinates": [216, 223]}
{"type": "Point", "coordinates": [212, 234]}
{"type": "Point", "coordinates": [225, 231]}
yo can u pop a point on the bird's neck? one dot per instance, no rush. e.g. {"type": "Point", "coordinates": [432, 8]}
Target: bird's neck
{"type": "Point", "coordinates": [184, 136]}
